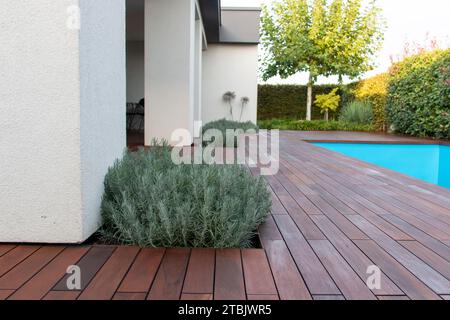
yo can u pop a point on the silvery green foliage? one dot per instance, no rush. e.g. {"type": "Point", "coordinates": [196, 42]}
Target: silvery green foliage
{"type": "Point", "coordinates": [223, 125]}
{"type": "Point", "coordinates": [358, 112]}
{"type": "Point", "coordinates": [149, 201]}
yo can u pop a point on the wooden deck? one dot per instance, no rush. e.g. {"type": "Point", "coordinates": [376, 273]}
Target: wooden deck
{"type": "Point", "coordinates": [332, 218]}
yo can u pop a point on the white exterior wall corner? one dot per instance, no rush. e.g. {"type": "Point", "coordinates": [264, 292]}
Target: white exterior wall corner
{"type": "Point", "coordinates": [45, 125]}
{"type": "Point", "coordinates": [229, 67]}
{"type": "Point", "coordinates": [103, 99]}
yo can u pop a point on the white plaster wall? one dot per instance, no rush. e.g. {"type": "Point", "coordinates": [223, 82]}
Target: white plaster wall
{"type": "Point", "coordinates": [103, 99]}
{"type": "Point", "coordinates": [40, 194]}
{"type": "Point", "coordinates": [229, 67]}
{"type": "Point", "coordinates": [169, 69]}
{"type": "Point", "coordinates": [198, 78]}
{"type": "Point", "coordinates": [135, 71]}
{"type": "Point", "coordinates": [62, 116]}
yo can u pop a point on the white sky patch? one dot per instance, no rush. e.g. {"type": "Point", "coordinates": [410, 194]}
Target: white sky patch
{"type": "Point", "coordinates": [407, 21]}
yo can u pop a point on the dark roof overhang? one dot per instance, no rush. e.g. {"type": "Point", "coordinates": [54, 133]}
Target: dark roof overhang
{"type": "Point", "coordinates": [211, 15]}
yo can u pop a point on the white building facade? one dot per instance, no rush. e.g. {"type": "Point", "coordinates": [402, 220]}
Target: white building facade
{"type": "Point", "coordinates": [69, 67]}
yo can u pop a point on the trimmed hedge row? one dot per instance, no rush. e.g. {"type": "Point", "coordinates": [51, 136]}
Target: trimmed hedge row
{"type": "Point", "coordinates": [315, 125]}
{"type": "Point", "coordinates": [418, 99]}
{"type": "Point", "coordinates": [289, 101]}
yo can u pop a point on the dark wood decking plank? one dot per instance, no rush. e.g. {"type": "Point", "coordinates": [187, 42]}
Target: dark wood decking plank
{"type": "Point", "coordinates": [29, 267]}
{"type": "Point", "coordinates": [380, 223]}
{"type": "Point", "coordinates": [44, 280]}
{"type": "Point", "coordinates": [262, 297]}
{"type": "Point", "coordinates": [5, 248]}
{"type": "Point", "coordinates": [257, 273]}
{"type": "Point", "coordinates": [371, 216]}
{"type": "Point", "coordinates": [438, 219]}
{"type": "Point", "coordinates": [304, 179]}
{"type": "Point", "coordinates": [408, 198]}
{"type": "Point", "coordinates": [328, 298]}
{"type": "Point", "coordinates": [169, 279]}
{"type": "Point", "coordinates": [196, 297]}
{"type": "Point", "coordinates": [316, 277]}
{"type": "Point", "coordinates": [393, 298]}
{"type": "Point", "coordinates": [229, 277]}
{"type": "Point", "coordinates": [4, 294]}
{"type": "Point", "coordinates": [269, 230]}
{"type": "Point", "coordinates": [348, 228]}
{"type": "Point", "coordinates": [420, 269]}
{"type": "Point", "coordinates": [299, 216]}
{"type": "Point", "coordinates": [277, 207]}
{"type": "Point", "coordinates": [14, 257]}
{"type": "Point", "coordinates": [432, 259]}
{"type": "Point", "coordinates": [89, 266]}
{"type": "Point", "coordinates": [104, 285]}
{"type": "Point", "coordinates": [422, 237]}
{"type": "Point", "coordinates": [390, 203]}
{"type": "Point", "coordinates": [143, 271]}
{"type": "Point", "coordinates": [350, 284]}
{"type": "Point", "coordinates": [308, 206]}
{"type": "Point", "coordinates": [433, 229]}
{"type": "Point", "coordinates": [290, 284]}
{"type": "Point", "coordinates": [62, 295]}
{"type": "Point", "coordinates": [404, 279]}
{"type": "Point", "coordinates": [129, 296]}
{"type": "Point", "coordinates": [354, 256]}
{"type": "Point", "coordinates": [324, 208]}
{"type": "Point", "coordinates": [326, 174]}
{"type": "Point", "coordinates": [200, 272]}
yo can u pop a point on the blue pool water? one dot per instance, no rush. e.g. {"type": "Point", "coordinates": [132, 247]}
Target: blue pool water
{"type": "Point", "coordinates": [426, 162]}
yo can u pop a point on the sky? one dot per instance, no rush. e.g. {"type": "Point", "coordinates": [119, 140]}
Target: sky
{"type": "Point", "coordinates": [407, 21]}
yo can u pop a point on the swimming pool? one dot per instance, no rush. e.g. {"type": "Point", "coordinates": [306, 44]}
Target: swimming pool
{"type": "Point", "coordinates": [426, 162]}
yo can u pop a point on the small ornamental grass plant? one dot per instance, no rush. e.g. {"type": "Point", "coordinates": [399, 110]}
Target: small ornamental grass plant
{"type": "Point", "coordinates": [357, 112]}
{"type": "Point", "coordinates": [151, 202]}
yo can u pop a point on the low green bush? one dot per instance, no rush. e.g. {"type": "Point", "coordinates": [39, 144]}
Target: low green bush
{"type": "Point", "coordinates": [418, 98]}
{"type": "Point", "coordinates": [358, 112]}
{"type": "Point", "coordinates": [223, 125]}
{"type": "Point", "coordinates": [149, 201]}
{"type": "Point", "coordinates": [316, 125]}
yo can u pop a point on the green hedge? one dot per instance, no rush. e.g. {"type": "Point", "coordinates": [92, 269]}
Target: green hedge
{"type": "Point", "coordinates": [289, 101]}
{"type": "Point", "coordinates": [418, 100]}
{"type": "Point", "coordinates": [315, 125]}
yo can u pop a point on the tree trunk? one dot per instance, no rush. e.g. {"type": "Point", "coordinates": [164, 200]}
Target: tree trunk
{"type": "Point", "coordinates": [309, 100]}
{"type": "Point", "coordinates": [326, 115]}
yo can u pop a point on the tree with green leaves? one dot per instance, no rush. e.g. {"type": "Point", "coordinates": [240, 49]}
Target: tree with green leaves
{"type": "Point", "coordinates": [321, 37]}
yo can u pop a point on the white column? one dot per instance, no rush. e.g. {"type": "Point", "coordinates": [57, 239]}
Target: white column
{"type": "Point", "coordinates": [169, 68]}
{"type": "Point", "coordinates": [198, 77]}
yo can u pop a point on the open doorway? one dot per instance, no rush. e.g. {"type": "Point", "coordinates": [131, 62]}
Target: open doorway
{"type": "Point", "coordinates": [135, 48]}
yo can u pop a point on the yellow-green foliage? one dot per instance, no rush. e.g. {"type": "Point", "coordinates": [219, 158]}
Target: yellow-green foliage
{"type": "Point", "coordinates": [374, 91]}
{"type": "Point", "coordinates": [328, 102]}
